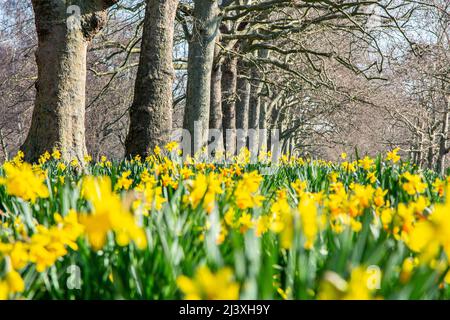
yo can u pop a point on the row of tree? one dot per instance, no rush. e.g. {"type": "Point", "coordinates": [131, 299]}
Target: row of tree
{"type": "Point", "coordinates": [320, 71]}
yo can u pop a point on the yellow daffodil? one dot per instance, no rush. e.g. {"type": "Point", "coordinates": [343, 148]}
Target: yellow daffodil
{"type": "Point", "coordinates": [207, 285]}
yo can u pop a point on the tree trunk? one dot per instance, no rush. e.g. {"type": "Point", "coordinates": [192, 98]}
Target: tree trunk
{"type": "Point", "coordinates": [229, 83]}
{"type": "Point", "coordinates": [443, 150]}
{"type": "Point", "coordinates": [3, 146]}
{"type": "Point", "coordinates": [242, 105]}
{"type": "Point", "coordinates": [420, 155]}
{"type": "Point", "coordinates": [200, 62]}
{"type": "Point", "coordinates": [59, 112]}
{"type": "Point", "coordinates": [215, 117]}
{"type": "Point", "coordinates": [256, 88]}
{"type": "Point", "coordinates": [151, 111]}
{"type": "Point", "coordinates": [255, 105]}
{"type": "Point", "coordinates": [430, 157]}
{"type": "Point", "coordinates": [263, 136]}
{"type": "Point", "coordinates": [215, 113]}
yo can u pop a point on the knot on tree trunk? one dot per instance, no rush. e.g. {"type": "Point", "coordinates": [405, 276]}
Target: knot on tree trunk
{"type": "Point", "coordinates": [92, 23]}
{"type": "Point", "coordinates": [94, 19]}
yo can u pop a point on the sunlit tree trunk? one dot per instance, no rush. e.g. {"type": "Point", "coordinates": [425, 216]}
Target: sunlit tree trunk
{"type": "Point", "coordinates": [443, 149]}
{"type": "Point", "coordinates": [151, 112]}
{"type": "Point", "coordinates": [200, 63]}
{"type": "Point", "coordinates": [255, 104]}
{"type": "Point", "coordinates": [64, 33]}
{"type": "Point", "coordinates": [215, 116]}
{"type": "Point", "coordinates": [242, 104]}
{"type": "Point", "coordinates": [229, 83]}
{"type": "Point", "coordinates": [263, 125]}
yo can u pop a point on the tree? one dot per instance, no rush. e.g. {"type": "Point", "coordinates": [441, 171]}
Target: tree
{"type": "Point", "coordinates": [243, 89]}
{"type": "Point", "coordinates": [229, 86]}
{"type": "Point", "coordinates": [215, 112]}
{"type": "Point", "coordinates": [59, 112]}
{"type": "Point", "coordinates": [151, 112]}
{"type": "Point", "coordinates": [200, 61]}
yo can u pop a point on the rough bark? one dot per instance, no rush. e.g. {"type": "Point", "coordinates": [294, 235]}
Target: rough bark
{"type": "Point", "coordinates": [215, 116]}
{"type": "Point", "coordinates": [151, 111]}
{"type": "Point", "coordinates": [215, 113]}
{"type": "Point", "coordinates": [443, 150]}
{"type": "Point", "coordinates": [3, 146]}
{"type": "Point", "coordinates": [263, 136]}
{"type": "Point", "coordinates": [430, 157]}
{"type": "Point", "coordinates": [255, 103]}
{"type": "Point", "coordinates": [242, 104]}
{"type": "Point", "coordinates": [200, 62]}
{"type": "Point", "coordinates": [421, 139]}
{"type": "Point", "coordinates": [229, 95]}
{"type": "Point", "coordinates": [254, 106]}
{"type": "Point", "coordinates": [59, 112]}
{"type": "Point", "coordinates": [256, 88]}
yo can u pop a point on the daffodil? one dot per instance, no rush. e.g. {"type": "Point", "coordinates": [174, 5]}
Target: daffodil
{"type": "Point", "coordinates": [24, 182]}
{"type": "Point", "coordinates": [309, 220]}
{"type": "Point", "coordinates": [13, 283]}
{"type": "Point", "coordinates": [367, 163]}
{"type": "Point", "coordinates": [358, 287]}
{"type": "Point", "coordinates": [204, 189]}
{"type": "Point", "coordinates": [414, 184]}
{"type": "Point", "coordinates": [393, 155]}
{"type": "Point", "coordinates": [108, 214]}
{"type": "Point", "coordinates": [206, 285]}
{"type": "Point", "coordinates": [429, 235]}
{"type": "Point", "coordinates": [246, 192]}
{"type": "Point", "coordinates": [124, 181]}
